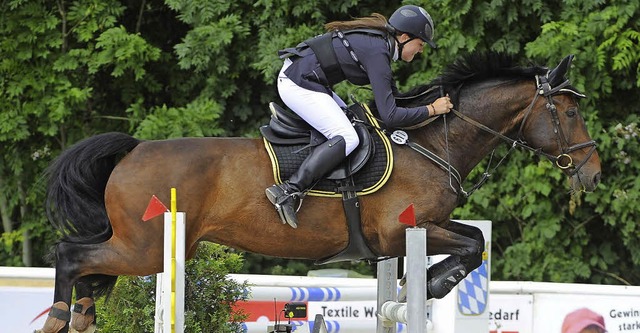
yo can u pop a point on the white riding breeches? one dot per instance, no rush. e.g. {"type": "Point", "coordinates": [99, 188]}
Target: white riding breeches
{"type": "Point", "coordinates": [320, 110]}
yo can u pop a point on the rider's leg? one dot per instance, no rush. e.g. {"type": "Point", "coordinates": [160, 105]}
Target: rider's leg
{"type": "Point", "coordinates": [287, 196]}
{"type": "Point", "coordinates": [323, 112]}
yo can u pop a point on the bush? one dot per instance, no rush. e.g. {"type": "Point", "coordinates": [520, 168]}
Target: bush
{"type": "Point", "coordinates": [209, 297]}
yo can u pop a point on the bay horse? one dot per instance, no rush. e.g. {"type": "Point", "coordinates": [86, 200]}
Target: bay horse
{"type": "Point", "coordinates": [99, 188]}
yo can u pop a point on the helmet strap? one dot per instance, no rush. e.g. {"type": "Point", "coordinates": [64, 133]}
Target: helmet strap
{"type": "Point", "coordinates": [401, 45]}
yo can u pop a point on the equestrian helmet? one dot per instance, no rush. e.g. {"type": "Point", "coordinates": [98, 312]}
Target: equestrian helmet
{"type": "Point", "coordinates": [415, 21]}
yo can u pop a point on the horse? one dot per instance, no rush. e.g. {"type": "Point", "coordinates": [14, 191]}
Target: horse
{"type": "Point", "coordinates": [98, 188]}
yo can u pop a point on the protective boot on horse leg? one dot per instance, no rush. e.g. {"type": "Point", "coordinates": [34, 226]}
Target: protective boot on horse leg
{"type": "Point", "coordinates": [287, 197]}
{"type": "Point", "coordinates": [445, 275]}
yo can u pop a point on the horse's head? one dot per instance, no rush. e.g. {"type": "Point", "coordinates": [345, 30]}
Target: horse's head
{"type": "Point", "coordinates": [495, 98]}
{"type": "Point", "coordinates": [553, 124]}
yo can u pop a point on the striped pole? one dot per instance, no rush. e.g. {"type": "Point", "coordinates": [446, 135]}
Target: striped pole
{"type": "Point", "coordinates": [173, 259]}
{"type": "Point", "coordinates": [170, 283]}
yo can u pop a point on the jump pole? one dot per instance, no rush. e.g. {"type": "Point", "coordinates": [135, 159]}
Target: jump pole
{"type": "Point", "coordinates": [412, 313]}
{"type": "Point", "coordinates": [170, 283]}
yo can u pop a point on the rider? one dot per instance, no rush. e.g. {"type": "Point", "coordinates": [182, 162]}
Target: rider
{"type": "Point", "coordinates": [315, 65]}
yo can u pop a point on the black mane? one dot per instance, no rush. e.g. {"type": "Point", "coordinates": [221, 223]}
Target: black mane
{"type": "Point", "coordinates": [470, 68]}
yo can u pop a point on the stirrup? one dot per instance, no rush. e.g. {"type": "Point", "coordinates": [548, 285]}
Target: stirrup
{"type": "Point", "coordinates": [280, 197]}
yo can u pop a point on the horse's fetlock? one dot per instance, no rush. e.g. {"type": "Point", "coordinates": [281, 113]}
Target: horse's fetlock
{"type": "Point", "coordinates": [83, 315]}
{"type": "Point", "coordinates": [59, 316]}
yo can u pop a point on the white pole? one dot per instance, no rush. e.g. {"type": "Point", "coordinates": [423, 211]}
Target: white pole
{"type": "Point", "coordinates": [157, 328]}
{"type": "Point", "coordinates": [413, 313]}
{"type": "Point", "coordinates": [387, 291]}
{"type": "Point", "coordinates": [416, 280]}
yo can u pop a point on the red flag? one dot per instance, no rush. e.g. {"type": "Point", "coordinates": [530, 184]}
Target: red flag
{"type": "Point", "coordinates": [155, 208]}
{"type": "Point", "coordinates": [408, 216]}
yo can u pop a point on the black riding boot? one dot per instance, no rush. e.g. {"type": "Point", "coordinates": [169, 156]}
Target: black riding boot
{"type": "Point", "coordinates": [287, 197]}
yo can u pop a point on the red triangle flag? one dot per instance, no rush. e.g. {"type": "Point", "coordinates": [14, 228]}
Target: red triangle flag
{"type": "Point", "coordinates": [408, 216]}
{"type": "Point", "coordinates": [155, 208]}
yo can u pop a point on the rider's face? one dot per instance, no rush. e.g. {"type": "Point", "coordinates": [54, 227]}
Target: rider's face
{"type": "Point", "coordinates": [410, 49]}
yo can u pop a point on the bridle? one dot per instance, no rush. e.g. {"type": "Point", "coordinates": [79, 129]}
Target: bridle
{"type": "Point", "coordinates": [545, 89]}
{"type": "Point", "coordinates": [563, 161]}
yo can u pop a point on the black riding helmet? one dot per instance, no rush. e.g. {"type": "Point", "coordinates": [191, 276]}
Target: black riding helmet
{"type": "Point", "coordinates": [414, 21]}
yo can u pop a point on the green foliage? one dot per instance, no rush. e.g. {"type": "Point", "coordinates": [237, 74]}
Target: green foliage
{"type": "Point", "coordinates": [164, 122]}
{"type": "Point", "coordinates": [209, 297]}
{"type": "Point", "coordinates": [124, 51]}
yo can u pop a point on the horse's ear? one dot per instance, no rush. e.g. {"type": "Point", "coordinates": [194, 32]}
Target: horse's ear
{"type": "Point", "coordinates": [556, 76]}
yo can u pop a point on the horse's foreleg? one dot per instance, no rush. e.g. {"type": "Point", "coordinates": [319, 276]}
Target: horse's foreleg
{"type": "Point", "coordinates": [472, 257]}
{"type": "Point", "coordinates": [83, 313]}
{"type": "Point", "coordinates": [464, 243]}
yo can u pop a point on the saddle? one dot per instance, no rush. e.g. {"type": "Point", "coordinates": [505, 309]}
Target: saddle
{"type": "Point", "coordinates": [288, 140]}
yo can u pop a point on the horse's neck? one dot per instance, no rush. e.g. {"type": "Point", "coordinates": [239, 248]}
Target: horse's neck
{"type": "Point", "coordinates": [500, 108]}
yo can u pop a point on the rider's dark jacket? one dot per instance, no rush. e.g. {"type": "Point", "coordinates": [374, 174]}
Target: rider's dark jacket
{"type": "Point", "coordinates": [374, 53]}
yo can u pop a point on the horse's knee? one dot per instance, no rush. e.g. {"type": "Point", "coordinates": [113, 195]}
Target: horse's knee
{"type": "Point", "coordinates": [65, 261]}
{"type": "Point", "coordinates": [473, 259]}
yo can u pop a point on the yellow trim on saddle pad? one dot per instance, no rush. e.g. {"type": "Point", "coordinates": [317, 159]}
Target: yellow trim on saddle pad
{"type": "Point", "coordinates": [371, 189]}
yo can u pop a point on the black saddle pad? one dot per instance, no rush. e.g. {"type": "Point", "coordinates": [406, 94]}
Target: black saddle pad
{"type": "Point", "coordinates": [285, 160]}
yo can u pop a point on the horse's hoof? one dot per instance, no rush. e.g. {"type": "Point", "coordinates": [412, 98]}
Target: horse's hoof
{"type": "Point", "coordinates": [90, 329]}
{"type": "Point", "coordinates": [83, 315]}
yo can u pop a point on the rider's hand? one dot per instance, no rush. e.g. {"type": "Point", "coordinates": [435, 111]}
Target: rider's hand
{"type": "Point", "coordinates": [440, 106]}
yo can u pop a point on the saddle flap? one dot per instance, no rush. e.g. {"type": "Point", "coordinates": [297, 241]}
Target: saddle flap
{"type": "Point", "coordinates": [358, 158]}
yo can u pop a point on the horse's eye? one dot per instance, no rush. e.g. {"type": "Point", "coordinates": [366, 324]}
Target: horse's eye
{"type": "Point", "coordinates": [571, 112]}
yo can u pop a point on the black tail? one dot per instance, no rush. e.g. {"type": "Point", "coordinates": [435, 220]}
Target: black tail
{"type": "Point", "coordinates": [77, 180]}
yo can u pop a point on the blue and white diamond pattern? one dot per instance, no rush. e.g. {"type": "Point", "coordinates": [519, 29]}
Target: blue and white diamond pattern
{"type": "Point", "coordinates": [473, 291]}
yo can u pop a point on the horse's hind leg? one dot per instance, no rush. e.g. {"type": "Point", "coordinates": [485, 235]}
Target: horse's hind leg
{"type": "Point", "coordinates": [93, 269]}
{"type": "Point", "coordinates": [83, 313]}
{"type": "Point", "coordinates": [59, 315]}
{"type": "Point", "coordinates": [85, 266]}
